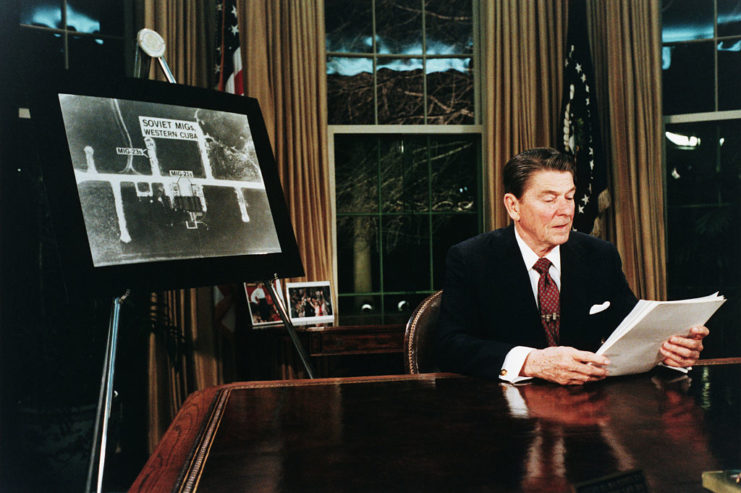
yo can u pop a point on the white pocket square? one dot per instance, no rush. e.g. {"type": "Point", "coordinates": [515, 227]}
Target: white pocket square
{"type": "Point", "coordinates": [599, 308]}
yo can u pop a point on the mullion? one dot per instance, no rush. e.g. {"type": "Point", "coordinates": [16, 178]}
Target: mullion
{"type": "Point", "coordinates": [65, 35]}
{"type": "Point", "coordinates": [716, 98]}
{"type": "Point", "coordinates": [379, 211]}
{"type": "Point", "coordinates": [429, 210]}
{"type": "Point", "coordinates": [375, 62]}
{"type": "Point", "coordinates": [424, 63]}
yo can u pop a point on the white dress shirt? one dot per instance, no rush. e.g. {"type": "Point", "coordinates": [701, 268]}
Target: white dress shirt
{"type": "Point", "coordinates": [515, 359]}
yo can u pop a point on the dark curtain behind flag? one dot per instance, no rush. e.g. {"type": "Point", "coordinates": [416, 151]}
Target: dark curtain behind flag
{"type": "Point", "coordinates": [228, 55]}
{"type": "Point", "coordinates": [581, 135]}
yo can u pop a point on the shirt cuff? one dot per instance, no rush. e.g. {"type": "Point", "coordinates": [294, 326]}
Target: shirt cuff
{"type": "Point", "coordinates": [513, 364]}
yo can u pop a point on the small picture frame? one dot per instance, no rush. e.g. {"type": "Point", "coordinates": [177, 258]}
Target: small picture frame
{"type": "Point", "coordinates": [310, 303]}
{"type": "Point", "coordinates": [263, 311]}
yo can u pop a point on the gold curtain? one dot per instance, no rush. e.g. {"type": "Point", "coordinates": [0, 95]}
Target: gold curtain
{"type": "Point", "coordinates": [186, 353]}
{"type": "Point", "coordinates": [522, 52]}
{"type": "Point", "coordinates": [626, 41]}
{"type": "Point", "coordinates": [183, 26]}
{"type": "Point", "coordinates": [284, 59]}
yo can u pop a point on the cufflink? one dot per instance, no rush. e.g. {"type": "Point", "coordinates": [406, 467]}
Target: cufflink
{"type": "Point", "coordinates": [502, 372]}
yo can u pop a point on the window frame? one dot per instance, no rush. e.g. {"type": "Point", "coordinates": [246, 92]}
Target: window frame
{"type": "Point", "coordinates": [707, 117]}
{"type": "Point", "coordinates": [426, 129]}
{"type": "Point", "coordinates": [65, 32]}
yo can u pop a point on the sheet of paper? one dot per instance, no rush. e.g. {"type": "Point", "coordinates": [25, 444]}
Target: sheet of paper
{"type": "Point", "coordinates": [634, 345]}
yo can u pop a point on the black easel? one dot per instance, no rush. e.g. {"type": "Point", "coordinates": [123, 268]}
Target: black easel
{"type": "Point", "coordinates": [151, 43]}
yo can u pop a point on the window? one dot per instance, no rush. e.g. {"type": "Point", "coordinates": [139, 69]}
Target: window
{"type": "Point", "coordinates": [74, 34]}
{"type": "Point", "coordinates": [701, 58]}
{"type": "Point", "coordinates": [405, 147]}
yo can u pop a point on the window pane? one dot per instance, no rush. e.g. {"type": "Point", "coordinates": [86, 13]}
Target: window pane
{"type": "Point", "coordinates": [360, 310]}
{"type": "Point", "coordinates": [399, 307]}
{"type": "Point", "coordinates": [94, 16]}
{"type": "Point", "coordinates": [399, 27]}
{"type": "Point", "coordinates": [46, 13]}
{"type": "Point", "coordinates": [349, 26]}
{"type": "Point", "coordinates": [688, 78]}
{"type": "Point", "coordinates": [729, 73]}
{"type": "Point", "coordinates": [44, 49]}
{"type": "Point", "coordinates": [730, 164]}
{"type": "Point", "coordinates": [449, 27]}
{"type": "Point", "coordinates": [357, 254]}
{"type": "Point", "coordinates": [453, 171]}
{"type": "Point", "coordinates": [403, 165]}
{"type": "Point", "coordinates": [400, 91]}
{"type": "Point", "coordinates": [447, 230]}
{"type": "Point", "coordinates": [700, 262]}
{"type": "Point", "coordinates": [356, 173]}
{"type": "Point", "coordinates": [702, 225]}
{"type": "Point", "coordinates": [683, 20]}
{"type": "Point", "coordinates": [449, 91]}
{"type": "Point", "coordinates": [103, 55]}
{"type": "Point", "coordinates": [698, 248]}
{"type": "Point", "coordinates": [350, 90]}
{"type": "Point", "coordinates": [729, 17]}
{"type": "Point", "coordinates": [406, 252]}
{"type": "Point", "coordinates": [691, 156]}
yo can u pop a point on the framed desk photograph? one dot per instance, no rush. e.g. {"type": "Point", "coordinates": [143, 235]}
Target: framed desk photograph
{"type": "Point", "coordinates": [310, 302]}
{"type": "Point", "coordinates": [261, 305]}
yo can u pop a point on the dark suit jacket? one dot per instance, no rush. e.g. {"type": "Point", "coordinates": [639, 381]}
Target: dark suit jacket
{"type": "Point", "coordinates": [488, 306]}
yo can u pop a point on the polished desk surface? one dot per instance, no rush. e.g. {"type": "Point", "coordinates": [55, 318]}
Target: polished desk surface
{"type": "Point", "coordinates": [443, 432]}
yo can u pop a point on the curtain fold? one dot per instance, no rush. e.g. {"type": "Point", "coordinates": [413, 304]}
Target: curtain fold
{"type": "Point", "coordinates": [626, 38]}
{"type": "Point", "coordinates": [522, 77]}
{"type": "Point", "coordinates": [183, 25]}
{"type": "Point", "coordinates": [284, 59]}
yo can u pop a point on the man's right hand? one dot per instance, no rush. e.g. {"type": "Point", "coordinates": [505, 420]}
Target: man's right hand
{"type": "Point", "coordinates": [565, 365]}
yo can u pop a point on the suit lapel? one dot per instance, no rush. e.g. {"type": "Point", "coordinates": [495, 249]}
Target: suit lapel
{"type": "Point", "coordinates": [574, 282]}
{"type": "Point", "coordinates": [516, 271]}
{"type": "Point", "coordinates": [520, 297]}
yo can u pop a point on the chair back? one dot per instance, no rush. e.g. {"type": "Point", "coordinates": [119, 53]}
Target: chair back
{"type": "Point", "coordinates": [419, 336]}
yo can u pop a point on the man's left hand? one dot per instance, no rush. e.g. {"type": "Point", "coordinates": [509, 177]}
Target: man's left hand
{"type": "Point", "coordinates": [684, 351]}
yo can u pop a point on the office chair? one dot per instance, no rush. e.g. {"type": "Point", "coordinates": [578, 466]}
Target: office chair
{"type": "Point", "coordinates": [419, 336]}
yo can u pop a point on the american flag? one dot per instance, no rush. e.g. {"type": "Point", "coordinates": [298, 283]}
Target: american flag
{"type": "Point", "coordinates": [229, 58]}
{"type": "Point", "coordinates": [581, 134]}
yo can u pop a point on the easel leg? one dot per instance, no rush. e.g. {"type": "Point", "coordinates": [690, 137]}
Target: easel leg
{"type": "Point", "coordinates": [290, 328]}
{"type": "Point", "coordinates": [105, 398]}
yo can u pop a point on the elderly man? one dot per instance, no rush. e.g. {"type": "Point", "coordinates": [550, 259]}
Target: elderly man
{"type": "Point", "coordinates": [536, 298]}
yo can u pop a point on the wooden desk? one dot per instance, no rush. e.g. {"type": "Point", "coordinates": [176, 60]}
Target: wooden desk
{"type": "Point", "coordinates": [354, 339]}
{"type": "Point", "coordinates": [441, 432]}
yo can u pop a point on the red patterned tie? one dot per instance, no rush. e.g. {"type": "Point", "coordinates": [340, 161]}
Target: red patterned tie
{"type": "Point", "coordinates": [550, 312]}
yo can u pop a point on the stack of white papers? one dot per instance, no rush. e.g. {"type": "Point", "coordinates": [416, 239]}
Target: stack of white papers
{"type": "Point", "coordinates": [633, 347]}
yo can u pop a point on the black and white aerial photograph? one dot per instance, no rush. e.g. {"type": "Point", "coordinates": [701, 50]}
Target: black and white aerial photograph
{"type": "Point", "coordinates": [163, 182]}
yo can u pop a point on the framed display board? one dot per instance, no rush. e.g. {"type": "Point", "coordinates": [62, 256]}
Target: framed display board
{"type": "Point", "coordinates": [156, 185]}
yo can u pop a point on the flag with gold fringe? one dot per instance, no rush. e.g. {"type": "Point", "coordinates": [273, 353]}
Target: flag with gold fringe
{"type": "Point", "coordinates": [581, 134]}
